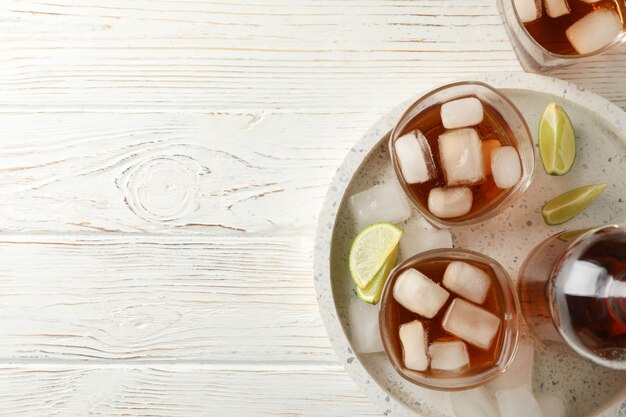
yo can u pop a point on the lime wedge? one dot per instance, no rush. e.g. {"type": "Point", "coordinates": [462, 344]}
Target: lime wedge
{"type": "Point", "coordinates": [370, 251]}
{"type": "Point", "coordinates": [557, 142]}
{"type": "Point", "coordinates": [568, 205]}
{"type": "Point", "coordinates": [371, 293]}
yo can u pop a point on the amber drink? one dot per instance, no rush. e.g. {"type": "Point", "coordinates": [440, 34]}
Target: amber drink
{"type": "Point", "coordinates": [552, 33]}
{"type": "Point", "coordinates": [462, 152]}
{"type": "Point", "coordinates": [572, 290]}
{"type": "Point", "coordinates": [449, 319]}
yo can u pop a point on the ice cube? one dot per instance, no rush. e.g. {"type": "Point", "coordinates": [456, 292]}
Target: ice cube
{"type": "Point", "coordinates": [461, 156]}
{"type": "Point", "coordinates": [505, 167]}
{"type": "Point", "coordinates": [594, 31]}
{"type": "Point", "coordinates": [381, 203]}
{"type": "Point", "coordinates": [474, 403]}
{"type": "Point", "coordinates": [364, 327]}
{"type": "Point", "coordinates": [552, 406]}
{"type": "Point", "coordinates": [450, 202]}
{"type": "Point", "coordinates": [417, 293]}
{"type": "Point", "coordinates": [413, 338]}
{"type": "Point", "coordinates": [518, 402]}
{"type": "Point", "coordinates": [488, 146]}
{"type": "Point", "coordinates": [471, 323]}
{"type": "Point", "coordinates": [528, 10]}
{"type": "Point", "coordinates": [520, 372]}
{"type": "Point", "coordinates": [448, 356]}
{"type": "Point", "coordinates": [556, 8]}
{"type": "Point", "coordinates": [416, 240]}
{"type": "Point", "coordinates": [415, 158]}
{"type": "Point", "coordinates": [463, 112]}
{"type": "Point", "coordinates": [467, 281]}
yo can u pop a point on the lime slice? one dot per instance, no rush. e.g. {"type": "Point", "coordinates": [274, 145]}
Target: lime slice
{"type": "Point", "coordinates": [568, 205]}
{"type": "Point", "coordinates": [371, 293]}
{"type": "Point", "coordinates": [557, 142]}
{"type": "Point", "coordinates": [370, 250]}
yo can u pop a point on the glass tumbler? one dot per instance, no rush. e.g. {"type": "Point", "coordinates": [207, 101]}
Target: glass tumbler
{"type": "Point", "coordinates": [501, 297]}
{"type": "Point", "coordinates": [510, 124]}
{"type": "Point", "coordinates": [532, 56]}
{"type": "Point", "coordinates": [572, 290]}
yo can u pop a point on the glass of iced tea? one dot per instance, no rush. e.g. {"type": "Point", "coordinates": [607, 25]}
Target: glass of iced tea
{"type": "Point", "coordinates": [548, 34]}
{"type": "Point", "coordinates": [449, 319]}
{"type": "Point", "coordinates": [572, 291]}
{"type": "Point", "coordinates": [462, 153]}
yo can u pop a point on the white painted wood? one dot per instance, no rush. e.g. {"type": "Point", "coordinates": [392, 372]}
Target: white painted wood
{"type": "Point", "coordinates": [180, 391]}
{"type": "Point", "coordinates": [162, 164]}
{"type": "Point", "coordinates": [323, 55]}
{"type": "Point", "coordinates": [145, 298]}
{"type": "Point", "coordinates": [137, 172]}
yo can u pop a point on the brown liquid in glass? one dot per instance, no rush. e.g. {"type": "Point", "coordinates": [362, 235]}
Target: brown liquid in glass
{"type": "Point", "coordinates": [599, 321]}
{"type": "Point", "coordinates": [550, 32]}
{"type": "Point", "coordinates": [595, 322]}
{"type": "Point", "coordinates": [493, 126]}
{"type": "Point", "coordinates": [480, 359]}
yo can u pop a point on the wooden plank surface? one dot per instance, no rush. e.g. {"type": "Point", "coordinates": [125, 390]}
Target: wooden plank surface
{"type": "Point", "coordinates": [159, 298]}
{"type": "Point", "coordinates": [180, 391]}
{"type": "Point", "coordinates": [147, 172]}
{"type": "Point", "coordinates": [152, 261]}
{"type": "Point", "coordinates": [224, 55]}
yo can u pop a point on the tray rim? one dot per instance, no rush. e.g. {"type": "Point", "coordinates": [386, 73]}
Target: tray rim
{"type": "Point", "coordinates": [342, 179]}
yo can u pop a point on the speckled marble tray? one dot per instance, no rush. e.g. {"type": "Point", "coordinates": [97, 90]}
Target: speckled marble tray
{"type": "Point", "coordinates": [601, 130]}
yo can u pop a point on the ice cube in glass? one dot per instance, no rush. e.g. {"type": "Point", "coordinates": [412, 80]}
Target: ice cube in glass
{"type": "Point", "coordinates": [415, 158]}
{"type": "Point", "coordinates": [471, 323]}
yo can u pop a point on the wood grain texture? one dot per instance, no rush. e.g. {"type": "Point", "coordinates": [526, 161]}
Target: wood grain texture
{"type": "Point", "coordinates": [232, 55]}
{"type": "Point", "coordinates": [172, 172]}
{"type": "Point", "coordinates": [147, 298]}
{"type": "Point", "coordinates": [179, 391]}
{"type": "Point", "coordinates": [162, 165]}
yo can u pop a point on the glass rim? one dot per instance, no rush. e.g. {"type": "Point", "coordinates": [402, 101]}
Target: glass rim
{"type": "Point", "coordinates": [513, 193]}
{"type": "Point", "coordinates": [575, 247]}
{"type": "Point", "coordinates": [618, 40]}
{"type": "Point", "coordinates": [509, 348]}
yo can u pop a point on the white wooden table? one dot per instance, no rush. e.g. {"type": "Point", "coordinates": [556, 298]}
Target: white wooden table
{"type": "Point", "coordinates": [162, 164]}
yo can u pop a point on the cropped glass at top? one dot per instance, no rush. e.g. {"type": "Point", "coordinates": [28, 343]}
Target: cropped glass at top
{"type": "Point", "coordinates": [580, 29]}
{"type": "Point", "coordinates": [484, 363]}
{"type": "Point", "coordinates": [502, 123]}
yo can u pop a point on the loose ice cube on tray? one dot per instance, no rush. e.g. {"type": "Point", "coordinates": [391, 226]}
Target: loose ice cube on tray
{"type": "Point", "coordinates": [450, 202]}
{"type": "Point", "coordinates": [594, 31]}
{"type": "Point", "coordinates": [474, 403]}
{"type": "Point", "coordinates": [417, 240]}
{"type": "Point", "coordinates": [520, 372]}
{"type": "Point", "coordinates": [381, 203]}
{"type": "Point", "coordinates": [467, 281]}
{"type": "Point", "coordinates": [417, 293]}
{"type": "Point", "coordinates": [552, 406]}
{"type": "Point", "coordinates": [413, 339]}
{"type": "Point", "coordinates": [448, 356]}
{"type": "Point", "coordinates": [518, 402]}
{"type": "Point", "coordinates": [462, 112]}
{"type": "Point", "coordinates": [364, 327]}
{"type": "Point", "coordinates": [556, 8]}
{"type": "Point", "coordinates": [415, 158]}
{"type": "Point", "coordinates": [471, 323]}
{"type": "Point", "coordinates": [528, 10]}
{"type": "Point", "coordinates": [506, 167]}
{"type": "Point", "coordinates": [461, 156]}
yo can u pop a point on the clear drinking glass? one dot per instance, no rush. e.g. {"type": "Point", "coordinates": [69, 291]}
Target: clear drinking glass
{"type": "Point", "coordinates": [510, 125]}
{"type": "Point", "coordinates": [532, 56]}
{"type": "Point", "coordinates": [502, 295]}
{"type": "Point", "coordinates": [572, 291]}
